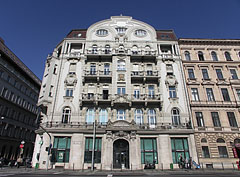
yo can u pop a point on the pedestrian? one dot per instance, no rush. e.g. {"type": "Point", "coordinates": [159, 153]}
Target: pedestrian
{"type": "Point", "coordinates": [19, 162]}
{"type": "Point", "coordinates": [1, 161]}
{"type": "Point", "coordinates": [190, 163]}
{"type": "Point", "coordinates": [180, 161]}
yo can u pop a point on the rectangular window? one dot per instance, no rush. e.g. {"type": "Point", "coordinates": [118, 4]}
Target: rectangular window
{"type": "Point", "coordinates": [195, 96]}
{"type": "Point", "coordinates": [234, 74]}
{"type": "Point", "coordinates": [172, 92]}
{"type": "Point", "coordinates": [148, 150]}
{"type": "Point", "coordinates": [89, 150]}
{"type": "Point", "coordinates": [151, 91]}
{"type": "Point", "coordinates": [210, 94]}
{"type": "Point", "coordinates": [219, 74]}
{"type": "Point", "coordinates": [61, 149]}
{"type": "Point", "coordinates": [120, 114]}
{"type": "Point", "coordinates": [106, 69]}
{"type": "Point", "coordinates": [136, 92]}
{"type": "Point", "coordinates": [232, 119]}
{"type": "Point", "coordinates": [51, 91]}
{"type": "Point", "coordinates": [238, 94]}
{"type": "Point", "coordinates": [179, 147]}
{"type": "Point", "coordinates": [222, 152]}
{"type": "Point", "coordinates": [199, 117]}
{"type": "Point", "coordinates": [69, 92]}
{"type": "Point", "coordinates": [121, 90]}
{"type": "Point", "coordinates": [191, 74]}
{"type": "Point", "coordinates": [205, 74]}
{"type": "Point", "coordinates": [149, 70]}
{"type": "Point", "coordinates": [225, 94]}
{"type": "Point", "coordinates": [93, 69]}
{"type": "Point", "coordinates": [205, 152]}
{"type": "Point", "coordinates": [215, 119]}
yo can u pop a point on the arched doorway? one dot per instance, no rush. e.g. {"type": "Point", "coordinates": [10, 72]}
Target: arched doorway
{"type": "Point", "coordinates": [121, 154]}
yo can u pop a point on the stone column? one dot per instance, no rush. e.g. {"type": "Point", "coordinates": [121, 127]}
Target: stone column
{"type": "Point", "coordinates": [107, 153]}
{"type": "Point", "coordinates": [164, 152]}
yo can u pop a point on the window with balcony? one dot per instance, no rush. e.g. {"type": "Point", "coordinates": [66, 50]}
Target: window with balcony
{"type": "Point", "coordinates": [215, 119]}
{"type": "Point", "coordinates": [151, 91]}
{"type": "Point", "coordinates": [200, 56]}
{"type": "Point", "coordinates": [106, 69]}
{"type": "Point", "coordinates": [205, 152]}
{"type": "Point", "coordinates": [175, 117]}
{"type": "Point", "coordinates": [195, 96]}
{"type": "Point", "coordinates": [136, 92]}
{"type": "Point", "coordinates": [205, 74]}
{"type": "Point", "coordinates": [121, 65]}
{"type": "Point", "coordinates": [228, 56]}
{"type": "Point", "coordinates": [121, 114]}
{"type": "Point", "coordinates": [151, 117]}
{"type": "Point", "coordinates": [89, 150]}
{"type": "Point", "coordinates": [214, 56]}
{"type": "Point", "coordinates": [210, 95]}
{"type": "Point", "coordinates": [172, 92]}
{"type": "Point", "coordinates": [149, 70]}
{"type": "Point", "coordinates": [134, 50]}
{"type": "Point", "coordinates": [93, 69]}
{"type": "Point", "coordinates": [135, 69]}
{"type": "Point", "coordinates": [200, 120]}
{"type": "Point", "coordinates": [103, 116]}
{"type": "Point", "coordinates": [219, 74]}
{"type": "Point", "coordinates": [187, 56]}
{"type": "Point", "coordinates": [66, 115]}
{"type": "Point", "coordinates": [61, 149]}
{"type": "Point", "coordinates": [107, 49]}
{"type": "Point", "coordinates": [94, 49]}
{"type": "Point", "coordinates": [232, 119]}
{"type": "Point", "coordinates": [233, 74]}
{"type": "Point", "coordinates": [225, 94]}
{"type": "Point", "coordinates": [121, 90]}
{"type": "Point", "coordinates": [69, 92]}
{"type": "Point", "coordinates": [138, 116]}
{"type": "Point", "coordinates": [191, 74]}
{"type": "Point", "coordinates": [90, 116]}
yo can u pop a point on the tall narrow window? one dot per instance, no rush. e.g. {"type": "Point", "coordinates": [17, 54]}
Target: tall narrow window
{"type": "Point", "coordinates": [228, 56]}
{"type": "Point", "coordinates": [121, 114]}
{"type": "Point", "coordinates": [225, 94]}
{"type": "Point", "coordinates": [205, 74]}
{"type": "Point", "coordinates": [215, 119]}
{"type": "Point", "coordinates": [149, 70]}
{"type": "Point", "coordinates": [199, 117]}
{"type": "Point", "coordinates": [106, 69]}
{"type": "Point", "coordinates": [151, 91]}
{"type": "Point", "coordinates": [61, 149]}
{"type": "Point", "coordinates": [232, 119]}
{"type": "Point", "coordinates": [195, 96]}
{"type": "Point", "coordinates": [107, 49]}
{"type": "Point", "coordinates": [172, 92]}
{"type": "Point", "coordinates": [138, 116]}
{"type": "Point", "coordinates": [135, 69]}
{"type": "Point", "coordinates": [179, 147]}
{"type": "Point", "coordinates": [89, 150]}
{"type": "Point", "coordinates": [187, 56]}
{"type": "Point", "coordinates": [69, 92]}
{"type": "Point", "coordinates": [200, 56]}
{"type": "Point", "coordinates": [94, 49]}
{"type": "Point", "coordinates": [51, 91]}
{"type": "Point", "coordinates": [219, 74]}
{"type": "Point", "coordinates": [103, 116]}
{"type": "Point", "coordinates": [149, 150]}
{"type": "Point", "coordinates": [151, 117]}
{"type": "Point", "coordinates": [175, 117]}
{"type": "Point", "coordinates": [66, 115]}
{"type": "Point", "coordinates": [90, 116]}
{"type": "Point", "coordinates": [191, 74]}
{"type": "Point", "coordinates": [93, 69]}
{"type": "Point", "coordinates": [210, 95]}
{"type": "Point", "coordinates": [214, 56]}
{"type": "Point", "coordinates": [234, 74]}
{"type": "Point", "coordinates": [136, 92]}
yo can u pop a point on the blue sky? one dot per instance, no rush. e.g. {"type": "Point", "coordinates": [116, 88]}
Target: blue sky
{"type": "Point", "coordinates": [31, 29]}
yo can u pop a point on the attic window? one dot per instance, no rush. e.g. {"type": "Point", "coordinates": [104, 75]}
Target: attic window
{"type": "Point", "coordinates": [164, 36]}
{"type": "Point", "coordinates": [121, 30]}
{"type": "Point", "coordinates": [102, 32]}
{"type": "Point", "coordinates": [140, 33]}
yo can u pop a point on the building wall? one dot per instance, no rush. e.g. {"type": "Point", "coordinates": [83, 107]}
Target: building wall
{"type": "Point", "coordinates": [207, 134]}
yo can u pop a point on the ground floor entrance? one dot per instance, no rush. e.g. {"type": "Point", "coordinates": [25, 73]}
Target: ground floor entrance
{"type": "Point", "coordinates": [121, 154]}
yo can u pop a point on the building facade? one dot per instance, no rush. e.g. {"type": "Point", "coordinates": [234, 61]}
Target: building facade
{"type": "Point", "coordinates": [212, 78]}
{"type": "Point", "coordinates": [19, 89]}
{"type": "Point", "coordinates": [123, 80]}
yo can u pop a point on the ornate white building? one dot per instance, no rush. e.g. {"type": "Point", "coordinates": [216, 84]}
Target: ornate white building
{"type": "Point", "coordinates": [127, 77]}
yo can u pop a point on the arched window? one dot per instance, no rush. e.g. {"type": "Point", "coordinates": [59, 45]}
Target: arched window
{"type": "Point", "coordinates": [121, 65]}
{"type": "Point", "coordinates": [175, 117]}
{"type": "Point", "coordinates": [214, 56]}
{"type": "Point", "coordinates": [66, 115]}
{"type": "Point", "coordinates": [203, 140]}
{"type": "Point", "coordinates": [187, 56]}
{"type": "Point", "coordinates": [103, 116]}
{"type": "Point", "coordinates": [121, 114]}
{"type": "Point", "coordinates": [200, 56]}
{"type": "Point", "coordinates": [228, 56]}
{"type": "Point", "coordinates": [134, 50]}
{"type": "Point", "coordinates": [107, 49]}
{"type": "Point", "coordinates": [151, 117]}
{"type": "Point", "coordinates": [94, 49]}
{"type": "Point", "coordinates": [138, 116]}
{"type": "Point", "coordinates": [90, 116]}
{"type": "Point", "coordinates": [147, 50]}
{"type": "Point", "coordinates": [220, 140]}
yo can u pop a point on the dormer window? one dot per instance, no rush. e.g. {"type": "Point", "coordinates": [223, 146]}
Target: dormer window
{"type": "Point", "coordinates": [140, 33]}
{"type": "Point", "coordinates": [101, 32]}
{"type": "Point", "coordinates": [121, 30]}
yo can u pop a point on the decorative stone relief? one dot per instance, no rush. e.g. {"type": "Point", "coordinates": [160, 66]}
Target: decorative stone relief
{"type": "Point", "coordinates": [71, 80]}
{"type": "Point", "coordinates": [171, 81]}
{"type": "Point", "coordinates": [121, 77]}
